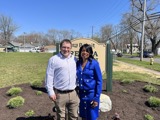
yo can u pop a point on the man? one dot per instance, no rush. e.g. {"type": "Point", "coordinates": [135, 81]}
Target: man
{"type": "Point", "coordinates": [61, 82]}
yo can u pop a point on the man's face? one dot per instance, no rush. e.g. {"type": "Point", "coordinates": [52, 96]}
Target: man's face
{"type": "Point", "coordinates": [66, 49]}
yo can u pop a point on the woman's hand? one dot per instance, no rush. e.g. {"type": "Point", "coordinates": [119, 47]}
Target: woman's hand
{"type": "Point", "coordinates": [94, 104]}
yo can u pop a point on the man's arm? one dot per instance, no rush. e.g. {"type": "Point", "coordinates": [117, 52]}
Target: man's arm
{"type": "Point", "coordinates": [49, 79]}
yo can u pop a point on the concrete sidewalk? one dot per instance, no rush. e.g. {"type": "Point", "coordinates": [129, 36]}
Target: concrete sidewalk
{"type": "Point", "coordinates": [157, 73]}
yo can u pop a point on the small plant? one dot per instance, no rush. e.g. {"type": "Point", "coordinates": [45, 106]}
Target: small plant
{"type": "Point", "coordinates": [15, 102]}
{"type": "Point", "coordinates": [148, 117]}
{"type": "Point", "coordinates": [150, 88]}
{"type": "Point", "coordinates": [38, 92]}
{"type": "Point", "coordinates": [14, 91]}
{"type": "Point", "coordinates": [127, 81]}
{"type": "Point", "coordinates": [29, 113]}
{"type": "Point", "coordinates": [154, 102]}
{"type": "Point", "coordinates": [36, 84]}
{"type": "Point", "coordinates": [124, 91]}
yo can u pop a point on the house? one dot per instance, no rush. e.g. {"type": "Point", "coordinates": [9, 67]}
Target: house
{"type": "Point", "coordinates": [135, 48]}
{"type": "Point", "coordinates": [26, 47]}
{"type": "Point", "coordinates": [158, 50]}
{"type": "Point", "coordinates": [2, 48]}
{"type": "Point", "coordinates": [17, 47]}
{"type": "Point", "coordinates": [37, 45]}
{"type": "Point", "coordinates": [50, 48]}
{"type": "Point", "coordinates": [12, 47]}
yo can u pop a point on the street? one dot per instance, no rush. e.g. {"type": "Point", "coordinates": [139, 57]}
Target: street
{"type": "Point", "coordinates": [156, 60]}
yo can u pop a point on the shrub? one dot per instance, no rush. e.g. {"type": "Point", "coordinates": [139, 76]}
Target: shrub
{"type": "Point", "coordinates": [127, 81]}
{"type": "Point", "coordinates": [14, 91]}
{"type": "Point", "coordinates": [148, 117]}
{"type": "Point", "coordinates": [124, 91]}
{"type": "Point", "coordinates": [150, 88]}
{"type": "Point", "coordinates": [154, 102]}
{"type": "Point", "coordinates": [38, 92]}
{"type": "Point", "coordinates": [29, 113]}
{"type": "Point", "coordinates": [15, 102]}
{"type": "Point", "coordinates": [36, 84]}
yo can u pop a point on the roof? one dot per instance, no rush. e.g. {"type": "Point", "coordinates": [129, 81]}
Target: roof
{"type": "Point", "coordinates": [27, 45]}
{"type": "Point", "coordinates": [15, 43]}
{"type": "Point", "coordinates": [50, 47]}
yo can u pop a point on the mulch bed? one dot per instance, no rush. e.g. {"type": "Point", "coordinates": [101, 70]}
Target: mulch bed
{"type": "Point", "coordinates": [130, 105]}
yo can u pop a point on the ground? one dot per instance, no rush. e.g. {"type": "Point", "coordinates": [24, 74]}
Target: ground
{"type": "Point", "coordinates": [130, 105]}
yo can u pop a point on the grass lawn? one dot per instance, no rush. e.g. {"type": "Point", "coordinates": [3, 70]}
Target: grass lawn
{"type": "Point", "coordinates": [155, 66]}
{"type": "Point", "coordinates": [17, 68]}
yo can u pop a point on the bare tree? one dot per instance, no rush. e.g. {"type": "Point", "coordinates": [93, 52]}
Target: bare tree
{"type": "Point", "coordinates": [57, 35]}
{"type": "Point", "coordinates": [152, 27]}
{"type": "Point", "coordinates": [52, 35]}
{"type": "Point", "coordinates": [106, 32]}
{"type": "Point", "coordinates": [96, 37]}
{"type": "Point", "coordinates": [110, 32]}
{"type": "Point", "coordinates": [7, 28]}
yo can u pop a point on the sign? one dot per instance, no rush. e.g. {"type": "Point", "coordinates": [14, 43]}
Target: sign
{"type": "Point", "coordinates": [99, 50]}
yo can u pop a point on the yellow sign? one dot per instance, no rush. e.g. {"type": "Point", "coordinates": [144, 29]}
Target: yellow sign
{"type": "Point", "coordinates": [99, 50]}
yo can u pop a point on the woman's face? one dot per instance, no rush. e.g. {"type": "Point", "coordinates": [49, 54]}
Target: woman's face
{"type": "Point", "coordinates": [84, 54]}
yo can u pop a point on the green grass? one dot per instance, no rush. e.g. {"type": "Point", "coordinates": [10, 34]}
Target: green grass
{"type": "Point", "coordinates": [158, 56]}
{"type": "Point", "coordinates": [144, 64]}
{"type": "Point", "coordinates": [134, 76]}
{"type": "Point", "coordinates": [17, 68]}
{"type": "Point", "coordinates": [127, 81]}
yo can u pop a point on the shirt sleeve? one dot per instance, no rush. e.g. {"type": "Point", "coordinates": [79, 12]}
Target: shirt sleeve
{"type": "Point", "coordinates": [49, 77]}
{"type": "Point", "coordinates": [98, 77]}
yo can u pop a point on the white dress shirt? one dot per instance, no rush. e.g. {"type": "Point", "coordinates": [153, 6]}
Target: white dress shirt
{"type": "Point", "coordinates": [60, 73]}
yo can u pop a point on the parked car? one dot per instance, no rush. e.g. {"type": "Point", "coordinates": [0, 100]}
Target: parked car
{"type": "Point", "coordinates": [9, 50]}
{"type": "Point", "coordinates": [34, 50]}
{"type": "Point", "coordinates": [119, 54]}
{"type": "Point", "coordinates": [147, 54]}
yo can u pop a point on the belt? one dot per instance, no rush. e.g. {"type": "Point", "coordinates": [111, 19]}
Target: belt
{"type": "Point", "coordinates": [64, 91]}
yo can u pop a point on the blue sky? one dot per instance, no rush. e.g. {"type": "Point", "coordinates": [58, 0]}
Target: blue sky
{"type": "Point", "coordinates": [78, 15]}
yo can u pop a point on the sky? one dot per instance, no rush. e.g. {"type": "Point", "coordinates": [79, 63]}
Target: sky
{"type": "Point", "coordinates": [82, 16]}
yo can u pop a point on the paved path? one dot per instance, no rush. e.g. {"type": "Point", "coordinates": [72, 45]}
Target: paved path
{"type": "Point", "coordinates": [157, 73]}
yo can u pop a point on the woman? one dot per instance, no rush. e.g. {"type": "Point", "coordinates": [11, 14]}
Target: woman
{"type": "Point", "coordinates": [90, 83]}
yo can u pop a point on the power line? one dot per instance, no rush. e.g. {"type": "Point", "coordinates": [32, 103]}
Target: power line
{"type": "Point", "coordinates": [116, 6]}
{"type": "Point", "coordinates": [135, 23]}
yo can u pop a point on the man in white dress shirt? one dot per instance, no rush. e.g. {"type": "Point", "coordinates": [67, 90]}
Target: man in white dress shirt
{"type": "Point", "coordinates": [61, 82]}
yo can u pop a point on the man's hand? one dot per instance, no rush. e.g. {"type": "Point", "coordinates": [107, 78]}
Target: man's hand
{"type": "Point", "coordinates": [53, 97]}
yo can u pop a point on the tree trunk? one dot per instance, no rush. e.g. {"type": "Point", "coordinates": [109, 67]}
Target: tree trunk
{"type": "Point", "coordinates": [153, 41]}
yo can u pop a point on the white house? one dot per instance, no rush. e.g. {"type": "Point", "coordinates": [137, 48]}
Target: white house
{"type": "Point", "coordinates": [26, 48]}
{"type": "Point", "coordinates": [135, 48]}
{"type": "Point", "coordinates": [158, 51]}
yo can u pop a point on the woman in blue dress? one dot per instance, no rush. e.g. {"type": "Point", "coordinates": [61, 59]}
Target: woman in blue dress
{"type": "Point", "coordinates": [90, 83]}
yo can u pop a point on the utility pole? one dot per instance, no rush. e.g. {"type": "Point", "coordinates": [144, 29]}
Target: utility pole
{"type": "Point", "coordinates": [143, 25]}
{"type": "Point", "coordinates": [92, 32]}
{"type": "Point", "coordinates": [24, 41]}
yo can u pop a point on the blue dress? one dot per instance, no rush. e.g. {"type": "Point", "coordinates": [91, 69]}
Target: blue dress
{"type": "Point", "coordinates": [90, 88]}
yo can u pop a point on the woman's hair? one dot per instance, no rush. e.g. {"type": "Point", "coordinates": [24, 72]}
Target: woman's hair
{"type": "Point", "coordinates": [88, 49]}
